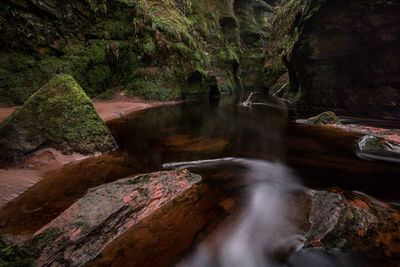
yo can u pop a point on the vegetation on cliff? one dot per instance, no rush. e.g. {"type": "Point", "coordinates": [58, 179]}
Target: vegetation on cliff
{"type": "Point", "coordinates": [153, 49]}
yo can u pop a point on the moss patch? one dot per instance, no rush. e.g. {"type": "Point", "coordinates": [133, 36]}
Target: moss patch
{"type": "Point", "coordinates": [14, 256]}
{"type": "Point", "coordinates": [327, 117]}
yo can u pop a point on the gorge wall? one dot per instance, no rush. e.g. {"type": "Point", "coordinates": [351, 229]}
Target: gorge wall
{"type": "Point", "coordinates": [340, 55]}
{"type": "Point", "coordinates": [153, 49]}
{"type": "Point", "coordinates": [337, 55]}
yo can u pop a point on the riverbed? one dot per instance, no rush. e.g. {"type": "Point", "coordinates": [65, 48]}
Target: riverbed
{"type": "Point", "coordinates": [257, 165]}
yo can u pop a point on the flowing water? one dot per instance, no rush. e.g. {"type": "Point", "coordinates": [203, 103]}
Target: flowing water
{"type": "Point", "coordinates": [258, 168]}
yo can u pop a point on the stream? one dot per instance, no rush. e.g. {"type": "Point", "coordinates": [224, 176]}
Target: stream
{"type": "Point", "coordinates": [257, 166]}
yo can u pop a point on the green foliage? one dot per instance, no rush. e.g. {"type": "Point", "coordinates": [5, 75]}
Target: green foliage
{"type": "Point", "coordinates": [107, 95]}
{"type": "Point", "coordinates": [155, 84]}
{"type": "Point", "coordinates": [118, 39]}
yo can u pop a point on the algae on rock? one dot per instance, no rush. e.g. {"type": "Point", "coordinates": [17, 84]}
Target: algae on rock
{"type": "Point", "coordinates": [59, 115]}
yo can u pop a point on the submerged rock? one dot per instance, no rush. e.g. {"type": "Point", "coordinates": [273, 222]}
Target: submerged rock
{"type": "Point", "coordinates": [327, 117]}
{"type": "Point", "coordinates": [373, 148]}
{"type": "Point", "coordinates": [353, 222]}
{"type": "Point", "coordinates": [82, 231]}
{"type": "Point", "coordinates": [59, 115]}
{"type": "Point", "coordinates": [370, 143]}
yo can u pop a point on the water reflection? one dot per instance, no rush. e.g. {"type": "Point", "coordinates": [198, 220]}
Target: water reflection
{"type": "Point", "coordinates": [202, 130]}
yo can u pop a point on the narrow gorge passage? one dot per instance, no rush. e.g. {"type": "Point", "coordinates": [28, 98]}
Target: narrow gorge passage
{"type": "Point", "coordinates": [186, 133]}
{"type": "Point", "coordinates": [255, 199]}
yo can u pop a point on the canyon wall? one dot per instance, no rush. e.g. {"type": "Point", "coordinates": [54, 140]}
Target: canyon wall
{"type": "Point", "coordinates": [152, 49]}
{"type": "Point", "coordinates": [340, 55]}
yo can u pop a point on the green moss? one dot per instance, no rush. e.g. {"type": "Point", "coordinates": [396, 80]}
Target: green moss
{"type": "Point", "coordinates": [68, 47]}
{"type": "Point", "coordinates": [14, 256]}
{"type": "Point", "coordinates": [107, 95]}
{"type": "Point", "coordinates": [143, 191]}
{"type": "Point", "coordinates": [59, 115]}
{"type": "Point", "coordinates": [113, 40]}
{"type": "Point", "coordinates": [39, 242]}
{"type": "Point", "coordinates": [370, 143]}
{"type": "Point", "coordinates": [327, 117]}
{"type": "Point", "coordinates": [141, 181]}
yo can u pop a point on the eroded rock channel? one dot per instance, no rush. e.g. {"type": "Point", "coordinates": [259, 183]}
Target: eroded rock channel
{"type": "Point", "coordinates": [253, 205]}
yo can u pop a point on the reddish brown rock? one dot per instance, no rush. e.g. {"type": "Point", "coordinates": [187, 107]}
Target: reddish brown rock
{"type": "Point", "coordinates": [80, 233]}
{"type": "Point", "coordinates": [353, 222]}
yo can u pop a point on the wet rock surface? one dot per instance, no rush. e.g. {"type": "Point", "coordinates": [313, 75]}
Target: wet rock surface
{"type": "Point", "coordinates": [106, 212]}
{"type": "Point", "coordinates": [59, 115]}
{"type": "Point", "coordinates": [370, 143]}
{"type": "Point", "coordinates": [353, 223]}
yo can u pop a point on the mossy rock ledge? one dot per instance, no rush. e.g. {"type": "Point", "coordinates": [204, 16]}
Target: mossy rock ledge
{"type": "Point", "coordinates": [59, 115]}
{"type": "Point", "coordinates": [327, 117]}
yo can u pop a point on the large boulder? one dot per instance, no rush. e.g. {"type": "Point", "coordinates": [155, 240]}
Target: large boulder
{"type": "Point", "coordinates": [59, 115]}
{"type": "Point", "coordinates": [353, 222]}
{"type": "Point", "coordinates": [341, 55]}
{"type": "Point", "coordinates": [106, 212]}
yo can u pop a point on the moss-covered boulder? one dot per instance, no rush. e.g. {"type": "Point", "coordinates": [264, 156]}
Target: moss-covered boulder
{"type": "Point", "coordinates": [59, 115]}
{"type": "Point", "coordinates": [327, 117]}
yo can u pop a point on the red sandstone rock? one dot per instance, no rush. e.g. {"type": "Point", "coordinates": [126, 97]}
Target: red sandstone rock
{"type": "Point", "coordinates": [81, 232]}
{"type": "Point", "coordinates": [353, 222]}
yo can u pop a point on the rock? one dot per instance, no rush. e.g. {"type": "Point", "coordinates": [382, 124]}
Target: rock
{"type": "Point", "coordinates": [106, 212]}
{"type": "Point", "coordinates": [372, 148]}
{"type": "Point", "coordinates": [353, 222]}
{"type": "Point", "coordinates": [59, 115]}
{"type": "Point", "coordinates": [327, 117]}
{"type": "Point", "coordinates": [370, 143]}
{"type": "Point", "coordinates": [340, 55]}
{"type": "Point", "coordinates": [255, 17]}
